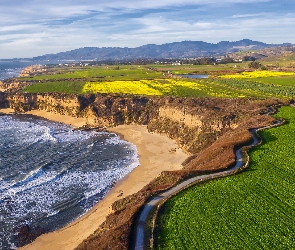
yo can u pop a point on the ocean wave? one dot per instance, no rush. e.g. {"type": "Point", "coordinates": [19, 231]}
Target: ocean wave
{"type": "Point", "coordinates": [56, 174]}
{"type": "Point", "coordinates": [9, 73]}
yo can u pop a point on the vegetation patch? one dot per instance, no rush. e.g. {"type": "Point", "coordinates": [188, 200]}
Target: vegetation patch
{"type": "Point", "coordinates": [73, 87]}
{"type": "Point", "coordinates": [126, 72]}
{"type": "Point", "coordinates": [258, 74]}
{"type": "Point", "coordinates": [256, 88]}
{"type": "Point", "coordinates": [283, 80]}
{"type": "Point", "coordinates": [162, 87]}
{"type": "Point", "coordinates": [252, 210]}
{"type": "Point", "coordinates": [157, 80]}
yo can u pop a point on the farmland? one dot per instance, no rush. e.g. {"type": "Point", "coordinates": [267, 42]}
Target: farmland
{"type": "Point", "coordinates": [258, 74]}
{"type": "Point", "coordinates": [252, 210]}
{"type": "Point", "coordinates": [126, 72]}
{"type": "Point", "coordinates": [157, 80]}
{"type": "Point", "coordinates": [258, 88]}
{"type": "Point", "coordinates": [162, 87]}
{"type": "Point", "coordinates": [230, 213]}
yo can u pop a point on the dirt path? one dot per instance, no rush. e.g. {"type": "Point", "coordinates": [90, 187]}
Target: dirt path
{"type": "Point", "coordinates": [141, 223]}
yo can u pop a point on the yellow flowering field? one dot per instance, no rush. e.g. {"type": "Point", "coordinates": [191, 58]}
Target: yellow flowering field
{"type": "Point", "coordinates": [258, 74]}
{"type": "Point", "coordinates": [160, 87]}
{"type": "Point", "coordinates": [123, 87]}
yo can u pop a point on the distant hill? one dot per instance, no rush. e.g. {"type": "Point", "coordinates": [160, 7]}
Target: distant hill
{"type": "Point", "coordinates": [274, 53]}
{"type": "Point", "coordinates": [185, 49]}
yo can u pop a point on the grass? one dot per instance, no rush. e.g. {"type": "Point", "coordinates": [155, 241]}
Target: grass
{"type": "Point", "coordinates": [73, 87]}
{"type": "Point", "coordinates": [283, 81]}
{"type": "Point", "coordinates": [125, 72]}
{"type": "Point", "coordinates": [225, 88]}
{"type": "Point", "coordinates": [188, 68]}
{"type": "Point", "coordinates": [258, 74]}
{"type": "Point", "coordinates": [161, 87]}
{"type": "Point", "coordinates": [149, 80]}
{"type": "Point", "coordinates": [252, 210]}
{"type": "Point", "coordinates": [257, 88]}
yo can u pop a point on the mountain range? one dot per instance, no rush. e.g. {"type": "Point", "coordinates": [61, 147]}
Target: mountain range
{"type": "Point", "coordinates": [184, 49]}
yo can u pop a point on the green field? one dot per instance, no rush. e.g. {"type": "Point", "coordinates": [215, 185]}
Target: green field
{"type": "Point", "coordinates": [251, 210]}
{"type": "Point", "coordinates": [163, 87]}
{"type": "Point", "coordinates": [125, 72]}
{"type": "Point", "coordinates": [259, 88]}
{"type": "Point", "coordinates": [287, 80]}
{"type": "Point", "coordinates": [66, 86]}
{"type": "Point", "coordinates": [191, 69]}
{"type": "Point", "coordinates": [154, 80]}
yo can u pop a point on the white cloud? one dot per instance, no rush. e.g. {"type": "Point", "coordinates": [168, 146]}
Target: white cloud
{"type": "Point", "coordinates": [36, 27]}
{"type": "Point", "coordinates": [249, 15]}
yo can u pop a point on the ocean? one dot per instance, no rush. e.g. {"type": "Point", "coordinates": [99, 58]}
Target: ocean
{"type": "Point", "coordinates": [10, 69]}
{"type": "Point", "coordinates": [51, 175]}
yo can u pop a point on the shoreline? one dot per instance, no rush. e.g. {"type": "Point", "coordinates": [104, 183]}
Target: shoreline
{"type": "Point", "coordinates": [155, 155]}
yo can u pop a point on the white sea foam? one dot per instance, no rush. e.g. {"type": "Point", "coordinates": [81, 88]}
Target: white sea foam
{"type": "Point", "coordinates": [54, 169]}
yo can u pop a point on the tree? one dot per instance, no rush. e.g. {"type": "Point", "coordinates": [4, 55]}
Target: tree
{"type": "Point", "coordinates": [255, 65]}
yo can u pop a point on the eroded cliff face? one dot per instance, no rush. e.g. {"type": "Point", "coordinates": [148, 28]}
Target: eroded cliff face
{"type": "Point", "coordinates": [28, 71]}
{"type": "Point", "coordinates": [193, 123]}
{"type": "Point", "coordinates": [208, 128]}
{"type": "Point", "coordinates": [3, 100]}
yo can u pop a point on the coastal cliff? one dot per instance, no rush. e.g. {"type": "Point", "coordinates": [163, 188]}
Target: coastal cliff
{"type": "Point", "coordinates": [207, 128]}
{"type": "Point", "coordinates": [193, 122]}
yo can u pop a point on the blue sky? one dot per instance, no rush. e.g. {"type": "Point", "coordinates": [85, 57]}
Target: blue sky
{"type": "Point", "coordinates": [36, 27]}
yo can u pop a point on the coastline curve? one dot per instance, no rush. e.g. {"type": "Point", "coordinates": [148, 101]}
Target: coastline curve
{"type": "Point", "coordinates": [157, 201]}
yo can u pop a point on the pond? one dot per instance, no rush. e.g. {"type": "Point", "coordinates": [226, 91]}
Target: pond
{"type": "Point", "coordinates": [195, 76]}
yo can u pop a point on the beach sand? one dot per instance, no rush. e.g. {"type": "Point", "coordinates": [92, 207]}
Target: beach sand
{"type": "Point", "coordinates": [155, 155]}
{"type": "Point", "coordinates": [7, 111]}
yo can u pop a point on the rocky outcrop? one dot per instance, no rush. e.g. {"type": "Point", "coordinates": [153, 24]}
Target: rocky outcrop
{"type": "Point", "coordinates": [13, 85]}
{"type": "Point", "coordinates": [3, 100]}
{"type": "Point", "coordinates": [28, 71]}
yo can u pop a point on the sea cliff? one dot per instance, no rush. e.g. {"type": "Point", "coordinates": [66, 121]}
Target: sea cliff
{"type": "Point", "coordinates": [207, 128]}
{"type": "Point", "coordinates": [192, 122]}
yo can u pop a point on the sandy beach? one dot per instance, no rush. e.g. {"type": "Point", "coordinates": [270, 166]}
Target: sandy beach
{"type": "Point", "coordinates": [155, 156]}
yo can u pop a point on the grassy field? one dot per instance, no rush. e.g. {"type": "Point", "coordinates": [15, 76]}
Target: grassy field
{"type": "Point", "coordinates": [252, 210]}
{"type": "Point", "coordinates": [162, 87]}
{"type": "Point", "coordinates": [191, 69]}
{"type": "Point", "coordinates": [283, 81]}
{"type": "Point", "coordinates": [258, 88]}
{"type": "Point", "coordinates": [257, 74]}
{"type": "Point", "coordinates": [172, 87]}
{"type": "Point", "coordinates": [125, 72]}
{"type": "Point", "coordinates": [154, 80]}
{"type": "Point", "coordinates": [66, 86]}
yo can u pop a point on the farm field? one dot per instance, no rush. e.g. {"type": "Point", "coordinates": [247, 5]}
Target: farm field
{"type": "Point", "coordinates": [139, 80]}
{"type": "Point", "coordinates": [163, 87]}
{"type": "Point", "coordinates": [251, 210]}
{"type": "Point", "coordinates": [258, 74]}
{"type": "Point", "coordinates": [284, 80]}
{"type": "Point", "coordinates": [258, 88]}
{"type": "Point", "coordinates": [126, 72]}
{"type": "Point", "coordinates": [196, 69]}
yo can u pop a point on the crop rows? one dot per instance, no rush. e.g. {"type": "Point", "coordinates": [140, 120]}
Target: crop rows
{"type": "Point", "coordinates": [224, 88]}
{"type": "Point", "coordinates": [258, 74]}
{"type": "Point", "coordinates": [255, 88]}
{"type": "Point", "coordinates": [252, 210]}
{"type": "Point", "coordinates": [135, 80]}
{"type": "Point", "coordinates": [160, 87]}
{"type": "Point", "coordinates": [286, 80]}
